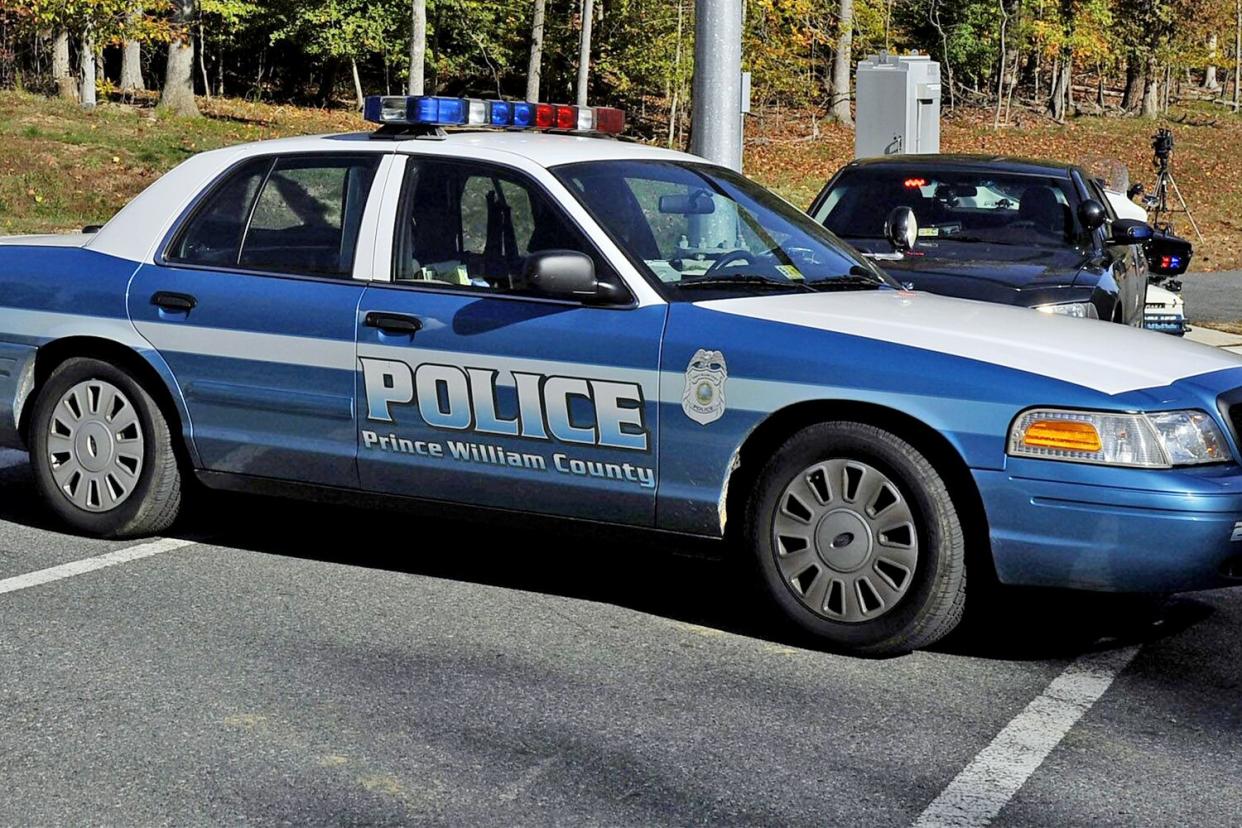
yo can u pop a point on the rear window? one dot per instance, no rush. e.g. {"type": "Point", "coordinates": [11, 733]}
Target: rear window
{"type": "Point", "coordinates": [967, 206]}
{"type": "Point", "coordinates": [298, 214]}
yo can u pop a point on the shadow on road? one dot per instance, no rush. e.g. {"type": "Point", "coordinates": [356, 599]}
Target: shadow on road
{"type": "Point", "coordinates": [678, 578]}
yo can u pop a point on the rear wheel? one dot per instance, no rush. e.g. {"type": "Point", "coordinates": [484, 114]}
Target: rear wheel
{"type": "Point", "coordinates": [858, 541]}
{"type": "Point", "coordinates": [102, 452]}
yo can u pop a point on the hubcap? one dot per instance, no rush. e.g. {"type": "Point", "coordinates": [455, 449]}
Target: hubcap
{"type": "Point", "coordinates": [844, 540]}
{"type": "Point", "coordinates": [94, 445]}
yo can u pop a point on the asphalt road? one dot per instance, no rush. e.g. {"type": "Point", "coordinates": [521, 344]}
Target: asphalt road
{"type": "Point", "coordinates": [302, 664]}
{"type": "Point", "coordinates": [1213, 297]}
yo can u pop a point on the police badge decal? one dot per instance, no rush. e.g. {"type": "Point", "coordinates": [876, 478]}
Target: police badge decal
{"type": "Point", "coordinates": [704, 397]}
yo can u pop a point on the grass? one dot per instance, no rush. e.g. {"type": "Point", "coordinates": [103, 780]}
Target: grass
{"type": "Point", "coordinates": [62, 168]}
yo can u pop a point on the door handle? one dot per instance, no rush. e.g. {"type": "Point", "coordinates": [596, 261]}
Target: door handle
{"type": "Point", "coordinates": [393, 323]}
{"type": "Point", "coordinates": [175, 302]}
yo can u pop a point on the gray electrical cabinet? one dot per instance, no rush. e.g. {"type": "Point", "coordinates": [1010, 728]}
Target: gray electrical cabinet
{"type": "Point", "coordinates": [898, 105]}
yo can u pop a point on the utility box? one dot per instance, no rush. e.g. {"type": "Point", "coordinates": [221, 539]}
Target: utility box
{"type": "Point", "coordinates": [898, 105]}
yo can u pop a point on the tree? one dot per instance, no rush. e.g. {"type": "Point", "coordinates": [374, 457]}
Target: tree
{"type": "Point", "coordinates": [584, 51]}
{"type": "Point", "coordinates": [418, 45]}
{"type": "Point", "coordinates": [535, 68]}
{"type": "Point", "coordinates": [61, 73]}
{"type": "Point", "coordinates": [178, 94]}
{"type": "Point", "coordinates": [842, 63]}
{"type": "Point", "coordinates": [131, 59]}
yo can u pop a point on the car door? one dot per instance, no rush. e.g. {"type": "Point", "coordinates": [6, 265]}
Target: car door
{"type": "Point", "coordinates": [475, 389]}
{"type": "Point", "coordinates": [252, 304]}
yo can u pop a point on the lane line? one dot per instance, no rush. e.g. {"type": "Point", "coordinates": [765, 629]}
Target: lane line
{"type": "Point", "coordinates": [75, 568]}
{"type": "Point", "coordinates": [998, 771]}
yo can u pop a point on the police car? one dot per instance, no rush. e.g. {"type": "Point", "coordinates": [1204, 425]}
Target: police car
{"type": "Point", "coordinates": [519, 314]}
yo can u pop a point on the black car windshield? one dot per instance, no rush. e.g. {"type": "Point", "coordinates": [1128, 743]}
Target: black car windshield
{"type": "Point", "coordinates": [700, 229]}
{"type": "Point", "coordinates": [962, 205]}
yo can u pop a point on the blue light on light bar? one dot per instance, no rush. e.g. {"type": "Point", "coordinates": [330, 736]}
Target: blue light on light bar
{"type": "Point", "coordinates": [432, 111]}
{"type": "Point", "coordinates": [500, 113]}
{"type": "Point", "coordinates": [523, 114]}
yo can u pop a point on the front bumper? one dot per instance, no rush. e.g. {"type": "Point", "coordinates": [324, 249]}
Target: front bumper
{"type": "Point", "coordinates": [1118, 530]}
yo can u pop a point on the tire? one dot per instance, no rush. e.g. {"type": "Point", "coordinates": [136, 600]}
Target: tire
{"type": "Point", "coordinates": [857, 541]}
{"type": "Point", "coordinates": [102, 452]}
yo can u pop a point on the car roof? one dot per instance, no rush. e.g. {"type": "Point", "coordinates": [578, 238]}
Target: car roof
{"type": "Point", "coordinates": [543, 149]}
{"type": "Point", "coordinates": [967, 161]}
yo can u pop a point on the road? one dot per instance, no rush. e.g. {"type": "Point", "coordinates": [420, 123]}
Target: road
{"type": "Point", "coordinates": [302, 664]}
{"type": "Point", "coordinates": [1213, 297]}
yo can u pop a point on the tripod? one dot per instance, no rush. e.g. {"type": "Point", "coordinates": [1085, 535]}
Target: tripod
{"type": "Point", "coordinates": [1158, 202]}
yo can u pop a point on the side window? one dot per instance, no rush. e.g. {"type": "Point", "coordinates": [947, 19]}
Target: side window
{"type": "Point", "coordinates": [472, 226]}
{"type": "Point", "coordinates": [298, 214]}
{"type": "Point", "coordinates": [306, 218]}
{"type": "Point", "coordinates": [214, 234]}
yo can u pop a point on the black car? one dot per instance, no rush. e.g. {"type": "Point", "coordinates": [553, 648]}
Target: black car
{"type": "Point", "coordinates": [1036, 234]}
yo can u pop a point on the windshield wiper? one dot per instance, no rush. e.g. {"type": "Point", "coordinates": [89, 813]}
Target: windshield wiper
{"type": "Point", "coordinates": [850, 282]}
{"type": "Point", "coordinates": [748, 280]}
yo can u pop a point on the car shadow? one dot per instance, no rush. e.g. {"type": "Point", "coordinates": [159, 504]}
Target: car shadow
{"type": "Point", "coordinates": [682, 579]}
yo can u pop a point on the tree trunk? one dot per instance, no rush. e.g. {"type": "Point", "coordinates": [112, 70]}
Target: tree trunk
{"type": "Point", "coordinates": [584, 51]}
{"type": "Point", "coordinates": [418, 46]}
{"type": "Point", "coordinates": [327, 82]}
{"type": "Point", "coordinates": [535, 68]}
{"type": "Point", "coordinates": [1058, 103]}
{"type": "Point", "coordinates": [1210, 83]}
{"type": "Point", "coordinates": [1151, 90]}
{"type": "Point", "coordinates": [178, 94]}
{"type": "Point", "coordinates": [202, 58]}
{"type": "Point", "coordinates": [1237, 56]}
{"type": "Point", "coordinates": [1134, 85]}
{"type": "Point", "coordinates": [841, 64]}
{"type": "Point", "coordinates": [353, 65]}
{"type": "Point", "coordinates": [1004, 59]}
{"type": "Point", "coordinates": [87, 66]}
{"type": "Point", "coordinates": [65, 85]}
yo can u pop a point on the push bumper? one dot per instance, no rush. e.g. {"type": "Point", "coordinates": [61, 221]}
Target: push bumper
{"type": "Point", "coordinates": [1118, 530]}
{"type": "Point", "coordinates": [16, 381]}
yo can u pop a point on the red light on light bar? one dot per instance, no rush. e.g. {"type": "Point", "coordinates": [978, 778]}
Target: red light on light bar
{"type": "Point", "coordinates": [609, 120]}
{"type": "Point", "coordinates": [566, 116]}
{"type": "Point", "coordinates": [915, 183]}
{"type": "Point", "coordinates": [545, 116]}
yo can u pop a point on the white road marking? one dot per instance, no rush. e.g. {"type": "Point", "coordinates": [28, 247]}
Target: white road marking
{"type": "Point", "coordinates": [987, 784]}
{"type": "Point", "coordinates": [74, 568]}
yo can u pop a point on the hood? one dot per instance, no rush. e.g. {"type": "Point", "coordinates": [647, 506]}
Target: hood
{"type": "Point", "coordinates": [1109, 358]}
{"type": "Point", "coordinates": [987, 272]}
{"type": "Point", "coordinates": [49, 240]}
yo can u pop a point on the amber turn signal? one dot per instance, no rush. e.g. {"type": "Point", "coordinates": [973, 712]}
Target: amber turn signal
{"type": "Point", "coordinates": [1071, 435]}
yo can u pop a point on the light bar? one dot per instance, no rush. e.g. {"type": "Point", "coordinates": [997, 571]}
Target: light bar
{"type": "Point", "coordinates": [434, 111]}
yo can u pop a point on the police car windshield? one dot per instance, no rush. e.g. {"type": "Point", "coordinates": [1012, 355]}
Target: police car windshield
{"type": "Point", "coordinates": [699, 228]}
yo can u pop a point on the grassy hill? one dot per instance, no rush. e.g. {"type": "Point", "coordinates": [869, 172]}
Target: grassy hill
{"type": "Point", "coordinates": [62, 168]}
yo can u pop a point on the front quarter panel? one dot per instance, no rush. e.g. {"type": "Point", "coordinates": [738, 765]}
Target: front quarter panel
{"type": "Point", "coordinates": [769, 366]}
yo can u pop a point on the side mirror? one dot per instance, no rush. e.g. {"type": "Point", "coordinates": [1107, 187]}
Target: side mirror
{"type": "Point", "coordinates": [1092, 214]}
{"type": "Point", "coordinates": [1131, 231]}
{"type": "Point", "coordinates": [902, 228]}
{"type": "Point", "coordinates": [567, 274]}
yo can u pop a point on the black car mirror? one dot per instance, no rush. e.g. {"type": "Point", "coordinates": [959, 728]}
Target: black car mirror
{"type": "Point", "coordinates": [1092, 215]}
{"type": "Point", "coordinates": [1131, 231]}
{"type": "Point", "coordinates": [902, 228]}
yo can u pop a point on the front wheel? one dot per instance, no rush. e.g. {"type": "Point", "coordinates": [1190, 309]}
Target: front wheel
{"type": "Point", "coordinates": [102, 452]}
{"type": "Point", "coordinates": [857, 540]}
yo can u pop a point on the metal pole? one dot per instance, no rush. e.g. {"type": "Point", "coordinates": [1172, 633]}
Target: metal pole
{"type": "Point", "coordinates": [717, 113]}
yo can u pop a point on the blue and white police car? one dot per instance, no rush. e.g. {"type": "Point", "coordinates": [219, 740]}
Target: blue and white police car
{"type": "Point", "coordinates": [507, 318]}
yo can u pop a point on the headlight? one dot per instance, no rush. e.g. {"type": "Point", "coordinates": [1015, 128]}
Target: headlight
{"type": "Point", "coordinates": [1077, 310]}
{"type": "Point", "coordinates": [1158, 440]}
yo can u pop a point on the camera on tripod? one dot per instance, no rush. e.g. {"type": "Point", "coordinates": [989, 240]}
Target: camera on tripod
{"type": "Point", "coordinates": [1162, 146]}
